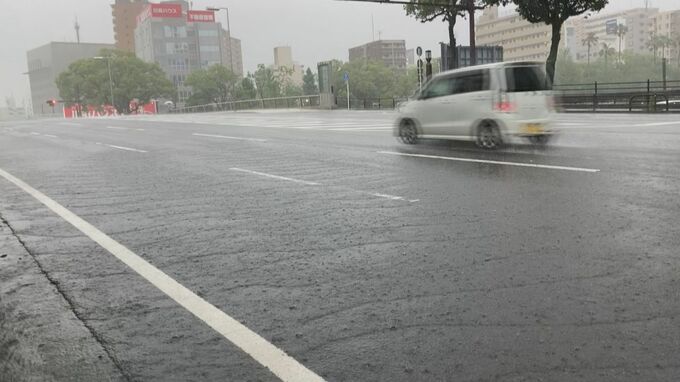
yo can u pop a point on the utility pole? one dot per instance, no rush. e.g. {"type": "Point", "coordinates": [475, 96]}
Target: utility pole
{"type": "Point", "coordinates": [76, 26]}
{"type": "Point", "coordinates": [231, 52]}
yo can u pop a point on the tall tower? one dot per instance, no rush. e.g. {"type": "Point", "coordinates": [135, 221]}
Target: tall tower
{"type": "Point", "coordinates": [76, 26]}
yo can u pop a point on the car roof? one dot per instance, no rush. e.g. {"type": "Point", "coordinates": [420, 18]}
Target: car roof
{"type": "Point", "coordinates": [489, 66]}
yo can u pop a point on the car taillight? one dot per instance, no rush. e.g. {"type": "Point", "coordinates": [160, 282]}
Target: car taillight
{"type": "Point", "coordinates": [506, 107]}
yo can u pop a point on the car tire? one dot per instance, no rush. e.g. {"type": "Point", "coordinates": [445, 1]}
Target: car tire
{"type": "Point", "coordinates": [408, 132]}
{"type": "Point", "coordinates": [542, 139]}
{"type": "Point", "coordinates": [489, 136]}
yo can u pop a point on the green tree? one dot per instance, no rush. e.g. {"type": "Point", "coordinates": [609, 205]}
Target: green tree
{"type": "Point", "coordinates": [267, 82]}
{"type": "Point", "coordinates": [309, 83]}
{"type": "Point", "coordinates": [589, 41]}
{"type": "Point", "coordinates": [553, 13]}
{"type": "Point", "coordinates": [245, 89]}
{"type": "Point", "coordinates": [606, 51]}
{"type": "Point", "coordinates": [429, 10]}
{"type": "Point", "coordinates": [86, 81]}
{"type": "Point", "coordinates": [212, 85]}
{"type": "Point", "coordinates": [653, 45]}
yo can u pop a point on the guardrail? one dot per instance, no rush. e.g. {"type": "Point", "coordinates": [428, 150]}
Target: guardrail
{"type": "Point", "coordinates": [296, 102]}
{"type": "Point", "coordinates": [649, 96]}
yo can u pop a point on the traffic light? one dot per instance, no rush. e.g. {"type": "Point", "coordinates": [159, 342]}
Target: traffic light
{"type": "Point", "coordinates": [52, 102]}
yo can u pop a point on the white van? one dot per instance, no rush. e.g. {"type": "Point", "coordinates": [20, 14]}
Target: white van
{"type": "Point", "coordinates": [488, 104]}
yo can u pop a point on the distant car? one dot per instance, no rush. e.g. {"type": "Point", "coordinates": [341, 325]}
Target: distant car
{"type": "Point", "coordinates": [489, 104]}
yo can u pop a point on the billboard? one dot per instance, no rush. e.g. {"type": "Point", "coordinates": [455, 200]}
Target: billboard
{"type": "Point", "coordinates": [201, 16]}
{"type": "Point", "coordinates": [160, 10]}
{"type": "Point", "coordinates": [611, 26]}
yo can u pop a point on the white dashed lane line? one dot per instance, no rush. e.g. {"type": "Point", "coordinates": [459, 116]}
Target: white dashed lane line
{"type": "Point", "coordinates": [502, 163]}
{"type": "Point", "coordinates": [275, 176]}
{"type": "Point", "coordinates": [127, 148]}
{"type": "Point", "coordinates": [228, 137]}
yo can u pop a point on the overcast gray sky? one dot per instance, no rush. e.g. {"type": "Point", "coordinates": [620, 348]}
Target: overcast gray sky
{"type": "Point", "coordinates": [317, 30]}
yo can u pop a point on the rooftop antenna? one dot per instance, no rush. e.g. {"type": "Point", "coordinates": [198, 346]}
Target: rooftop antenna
{"type": "Point", "coordinates": [646, 4]}
{"type": "Point", "coordinates": [76, 26]}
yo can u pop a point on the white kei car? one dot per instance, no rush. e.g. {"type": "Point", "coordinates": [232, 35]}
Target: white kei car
{"type": "Point", "coordinates": [488, 104]}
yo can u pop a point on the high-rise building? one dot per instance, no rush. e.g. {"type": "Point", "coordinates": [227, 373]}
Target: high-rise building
{"type": "Point", "coordinates": [231, 53]}
{"type": "Point", "coordinates": [667, 24]}
{"type": "Point", "coordinates": [485, 55]}
{"type": "Point", "coordinates": [283, 58]}
{"type": "Point", "coordinates": [390, 52]}
{"type": "Point", "coordinates": [124, 14]}
{"type": "Point", "coordinates": [46, 62]}
{"type": "Point", "coordinates": [520, 39]}
{"type": "Point", "coordinates": [410, 57]}
{"type": "Point", "coordinates": [182, 41]}
{"type": "Point", "coordinates": [638, 23]}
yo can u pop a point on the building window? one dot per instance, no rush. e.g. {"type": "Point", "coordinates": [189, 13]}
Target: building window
{"type": "Point", "coordinates": [207, 32]}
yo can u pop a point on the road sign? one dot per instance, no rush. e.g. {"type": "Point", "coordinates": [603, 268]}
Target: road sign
{"type": "Point", "coordinates": [346, 77]}
{"type": "Point", "coordinates": [419, 51]}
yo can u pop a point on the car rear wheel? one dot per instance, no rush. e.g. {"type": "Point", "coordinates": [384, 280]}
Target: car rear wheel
{"type": "Point", "coordinates": [408, 132]}
{"type": "Point", "coordinates": [539, 139]}
{"type": "Point", "coordinates": [489, 136]}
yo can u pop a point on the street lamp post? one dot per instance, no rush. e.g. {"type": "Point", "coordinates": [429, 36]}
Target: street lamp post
{"type": "Point", "coordinates": [108, 66]}
{"type": "Point", "coordinates": [231, 58]}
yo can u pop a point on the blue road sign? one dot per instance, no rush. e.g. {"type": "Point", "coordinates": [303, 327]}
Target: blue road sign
{"type": "Point", "coordinates": [346, 77]}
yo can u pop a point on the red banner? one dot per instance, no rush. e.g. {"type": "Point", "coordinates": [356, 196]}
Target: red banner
{"type": "Point", "coordinates": [201, 16]}
{"type": "Point", "coordinates": [160, 10]}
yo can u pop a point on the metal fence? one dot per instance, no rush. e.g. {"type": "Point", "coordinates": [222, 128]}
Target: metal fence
{"type": "Point", "coordinates": [297, 102]}
{"type": "Point", "coordinates": [369, 103]}
{"type": "Point", "coordinates": [648, 96]}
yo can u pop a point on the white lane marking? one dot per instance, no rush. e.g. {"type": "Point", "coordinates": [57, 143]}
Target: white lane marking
{"type": "Point", "coordinates": [276, 360]}
{"type": "Point", "coordinates": [139, 129]}
{"type": "Point", "coordinates": [50, 135]}
{"type": "Point", "coordinates": [117, 128]}
{"type": "Point", "coordinates": [228, 137]}
{"type": "Point", "coordinates": [393, 197]}
{"type": "Point", "coordinates": [361, 128]}
{"type": "Point", "coordinates": [275, 176]}
{"type": "Point", "coordinates": [519, 164]}
{"type": "Point", "coordinates": [127, 149]}
{"type": "Point", "coordinates": [34, 133]}
{"type": "Point", "coordinates": [658, 124]}
{"type": "Point", "coordinates": [69, 124]}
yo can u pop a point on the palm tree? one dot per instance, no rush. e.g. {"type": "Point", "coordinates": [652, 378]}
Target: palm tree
{"type": "Point", "coordinates": [590, 40]}
{"type": "Point", "coordinates": [607, 50]}
{"type": "Point", "coordinates": [621, 31]}
{"type": "Point", "coordinates": [664, 43]}
{"type": "Point", "coordinates": [653, 45]}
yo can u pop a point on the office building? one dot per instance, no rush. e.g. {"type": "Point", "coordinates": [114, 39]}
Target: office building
{"type": "Point", "coordinates": [390, 52]}
{"type": "Point", "coordinates": [124, 14]}
{"type": "Point", "coordinates": [520, 39]}
{"type": "Point", "coordinates": [283, 58]}
{"type": "Point", "coordinates": [667, 24]}
{"type": "Point", "coordinates": [639, 22]}
{"type": "Point", "coordinates": [410, 57]}
{"type": "Point", "coordinates": [231, 53]}
{"type": "Point", "coordinates": [46, 62]}
{"type": "Point", "coordinates": [182, 41]}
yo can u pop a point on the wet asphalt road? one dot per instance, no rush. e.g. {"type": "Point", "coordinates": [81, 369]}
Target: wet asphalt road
{"type": "Point", "coordinates": [360, 263]}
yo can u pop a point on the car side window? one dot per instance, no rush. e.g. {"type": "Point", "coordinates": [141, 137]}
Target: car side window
{"type": "Point", "coordinates": [472, 82]}
{"type": "Point", "coordinates": [438, 88]}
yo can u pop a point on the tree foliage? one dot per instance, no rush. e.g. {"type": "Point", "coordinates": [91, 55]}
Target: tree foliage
{"type": "Point", "coordinates": [86, 81]}
{"type": "Point", "coordinates": [632, 68]}
{"type": "Point", "coordinates": [212, 85]}
{"type": "Point", "coordinates": [309, 86]}
{"type": "Point", "coordinates": [372, 80]}
{"type": "Point", "coordinates": [430, 10]}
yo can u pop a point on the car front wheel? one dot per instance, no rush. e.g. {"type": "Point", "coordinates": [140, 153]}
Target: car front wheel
{"type": "Point", "coordinates": [408, 133]}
